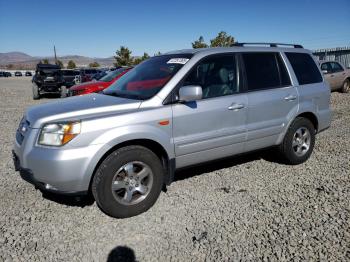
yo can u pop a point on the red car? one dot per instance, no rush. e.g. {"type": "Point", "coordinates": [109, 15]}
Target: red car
{"type": "Point", "coordinates": [97, 86]}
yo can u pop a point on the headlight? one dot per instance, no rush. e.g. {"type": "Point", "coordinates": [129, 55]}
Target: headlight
{"type": "Point", "coordinates": [59, 134]}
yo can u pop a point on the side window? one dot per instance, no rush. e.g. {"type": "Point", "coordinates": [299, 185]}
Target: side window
{"type": "Point", "coordinates": [218, 76]}
{"type": "Point", "coordinates": [304, 68]}
{"type": "Point", "coordinates": [336, 67]}
{"type": "Point", "coordinates": [262, 71]}
{"type": "Point", "coordinates": [326, 67]}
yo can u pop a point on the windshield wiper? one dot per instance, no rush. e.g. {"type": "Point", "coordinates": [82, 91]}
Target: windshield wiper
{"type": "Point", "coordinates": [126, 95]}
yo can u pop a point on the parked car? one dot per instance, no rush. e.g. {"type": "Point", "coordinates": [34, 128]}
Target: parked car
{"type": "Point", "coordinates": [28, 73]}
{"type": "Point", "coordinates": [48, 79]}
{"type": "Point", "coordinates": [172, 111]}
{"type": "Point", "coordinates": [337, 75]}
{"type": "Point", "coordinates": [8, 74]}
{"type": "Point", "coordinates": [86, 74]}
{"type": "Point", "coordinates": [70, 76]}
{"type": "Point", "coordinates": [99, 75]}
{"type": "Point", "coordinates": [18, 73]}
{"type": "Point", "coordinates": [97, 86]}
{"type": "Point", "coordinates": [2, 74]}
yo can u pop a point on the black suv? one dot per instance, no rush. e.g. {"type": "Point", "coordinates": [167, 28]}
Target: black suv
{"type": "Point", "coordinates": [48, 79]}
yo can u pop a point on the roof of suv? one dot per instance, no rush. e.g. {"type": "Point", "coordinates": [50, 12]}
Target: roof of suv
{"type": "Point", "coordinates": [214, 50]}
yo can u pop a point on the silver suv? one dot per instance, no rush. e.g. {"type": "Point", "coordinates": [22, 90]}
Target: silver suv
{"type": "Point", "coordinates": [172, 111]}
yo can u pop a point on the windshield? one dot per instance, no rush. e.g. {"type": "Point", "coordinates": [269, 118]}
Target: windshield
{"type": "Point", "coordinates": [146, 79]}
{"type": "Point", "coordinates": [110, 76]}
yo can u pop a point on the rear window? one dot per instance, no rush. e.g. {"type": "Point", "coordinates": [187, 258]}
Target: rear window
{"type": "Point", "coordinates": [265, 71]}
{"type": "Point", "coordinates": [304, 68]}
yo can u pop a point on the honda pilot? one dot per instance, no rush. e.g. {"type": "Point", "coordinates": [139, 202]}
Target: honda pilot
{"type": "Point", "coordinates": [172, 111]}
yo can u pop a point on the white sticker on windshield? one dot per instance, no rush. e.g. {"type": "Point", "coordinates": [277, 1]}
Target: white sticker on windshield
{"type": "Point", "coordinates": [181, 61]}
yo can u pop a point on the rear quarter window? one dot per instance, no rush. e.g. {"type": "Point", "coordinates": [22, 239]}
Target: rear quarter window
{"type": "Point", "coordinates": [304, 68]}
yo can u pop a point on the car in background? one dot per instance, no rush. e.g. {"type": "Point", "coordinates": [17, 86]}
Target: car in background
{"type": "Point", "coordinates": [70, 76]}
{"type": "Point", "coordinates": [2, 74]}
{"type": "Point", "coordinates": [86, 74]}
{"type": "Point", "coordinates": [97, 86]}
{"type": "Point", "coordinates": [28, 73]}
{"type": "Point", "coordinates": [336, 75]}
{"type": "Point", "coordinates": [8, 74]}
{"type": "Point", "coordinates": [18, 73]}
{"type": "Point", "coordinates": [48, 79]}
{"type": "Point", "coordinates": [99, 75]}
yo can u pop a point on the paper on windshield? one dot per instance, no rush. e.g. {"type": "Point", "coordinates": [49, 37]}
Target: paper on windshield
{"type": "Point", "coordinates": [181, 61]}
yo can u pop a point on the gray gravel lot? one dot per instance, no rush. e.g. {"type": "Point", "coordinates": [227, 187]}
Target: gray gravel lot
{"type": "Point", "coordinates": [246, 208]}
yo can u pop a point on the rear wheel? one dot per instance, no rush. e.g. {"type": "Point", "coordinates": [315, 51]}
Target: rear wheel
{"type": "Point", "coordinates": [36, 92]}
{"type": "Point", "coordinates": [298, 142]}
{"type": "Point", "coordinates": [128, 182]}
{"type": "Point", "coordinates": [63, 91]}
{"type": "Point", "coordinates": [346, 86]}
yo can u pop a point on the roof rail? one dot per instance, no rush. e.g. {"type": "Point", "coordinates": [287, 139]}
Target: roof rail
{"type": "Point", "coordinates": [269, 44]}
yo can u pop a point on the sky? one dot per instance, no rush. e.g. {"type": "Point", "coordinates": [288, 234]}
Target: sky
{"type": "Point", "coordinates": [99, 28]}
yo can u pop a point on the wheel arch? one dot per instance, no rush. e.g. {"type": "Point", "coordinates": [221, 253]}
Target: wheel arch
{"type": "Point", "coordinates": [154, 146]}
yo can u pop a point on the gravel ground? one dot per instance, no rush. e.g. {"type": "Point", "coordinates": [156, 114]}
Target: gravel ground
{"type": "Point", "coordinates": [245, 208]}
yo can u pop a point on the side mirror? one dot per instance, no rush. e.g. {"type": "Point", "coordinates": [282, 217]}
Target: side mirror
{"type": "Point", "coordinates": [325, 71]}
{"type": "Point", "coordinates": [190, 93]}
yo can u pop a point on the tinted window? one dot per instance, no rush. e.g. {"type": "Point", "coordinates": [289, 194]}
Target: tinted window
{"type": "Point", "coordinates": [336, 67]}
{"type": "Point", "coordinates": [304, 68]}
{"type": "Point", "coordinates": [263, 71]}
{"type": "Point", "coordinates": [216, 75]}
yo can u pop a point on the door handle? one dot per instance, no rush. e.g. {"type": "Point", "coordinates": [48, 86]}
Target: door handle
{"type": "Point", "coordinates": [290, 98]}
{"type": "Point", "coordinates": [235, 106]}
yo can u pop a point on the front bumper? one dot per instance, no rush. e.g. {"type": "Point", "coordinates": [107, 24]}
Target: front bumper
{"type": "Point", "coordinates": [65, 170]}
{"type": "Point", "coordinates": [27, 175]}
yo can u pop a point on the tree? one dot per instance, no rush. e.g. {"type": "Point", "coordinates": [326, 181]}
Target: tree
{"type": "Point", "coordinates": [199, 43]}
{"type": "Point", "coordinates": [45, 61]}
{"type": "Point", "coordinates": [140, 59]}
{"type": "Point", "coordinates": [94, 64]}
{"type": "Point", "coordinates": [222, 39]}
{"type": "Point", "coordinates": [71, 64]}
{"type": "Point", "coordinates": [158, 53]}
{"type": "Point", "coordinates": [123, 57]}
{"type": "Point", "coordinates": [59, 63]}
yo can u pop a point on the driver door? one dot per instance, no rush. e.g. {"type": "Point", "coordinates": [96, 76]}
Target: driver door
{"type": "Point", "coordinates": [213, 127]}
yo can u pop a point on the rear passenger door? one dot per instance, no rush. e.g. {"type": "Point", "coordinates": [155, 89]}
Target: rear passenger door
{"type": "Point", "coordinates": [271, 98]}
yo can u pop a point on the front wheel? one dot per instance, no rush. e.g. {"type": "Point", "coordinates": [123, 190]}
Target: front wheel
{"type": "Point", "coordinates": [128, 182]}
{"type": "Point", "coordinates": [346, 86]}
{"type": "Point", "coordinates": [298, 142]}
{"type": "Point", "coordinates": [36, 92]}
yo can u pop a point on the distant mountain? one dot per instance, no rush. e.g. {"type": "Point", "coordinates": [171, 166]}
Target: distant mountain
{"type": "Point", "coordinates": [21, 60]}
{"type": "Point", "coordinates": [13, 57]}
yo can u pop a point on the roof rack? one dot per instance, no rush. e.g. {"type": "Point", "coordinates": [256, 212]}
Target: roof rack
{"type": "Point", "coordinates": [269, 44]}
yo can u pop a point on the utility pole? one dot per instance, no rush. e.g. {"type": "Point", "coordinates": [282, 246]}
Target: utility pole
{"type": "Point", "coordinates": [54, 49]}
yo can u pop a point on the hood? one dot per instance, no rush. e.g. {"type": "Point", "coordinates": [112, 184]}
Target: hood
{"type": "Point", "coordinates": [86, 85]}
{"type": "Point", "coordinates": [78, 108]}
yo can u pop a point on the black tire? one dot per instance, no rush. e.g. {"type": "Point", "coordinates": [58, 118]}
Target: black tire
{"type": "Point", "coordinates": [102, 182]}
{"type": "Point", "coordinates": [346, 86]}
{"type": "Point", "coordinates": [36, 93]}
{"type": "Point", "coordinates": [63, 91]}
{"type": "Point", "coordinates": [289, 156]}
